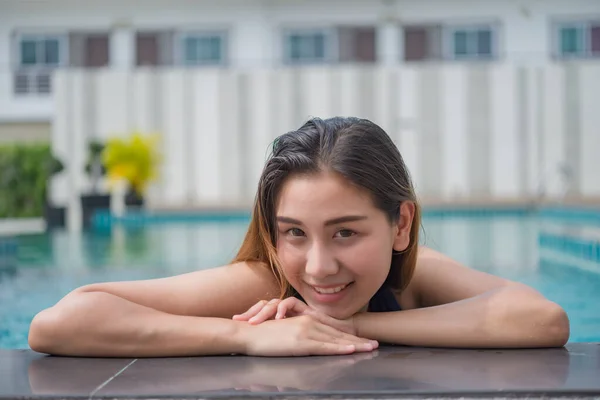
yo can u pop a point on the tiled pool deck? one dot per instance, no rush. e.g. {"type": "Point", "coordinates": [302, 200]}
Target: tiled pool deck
{"type": "Point", "coordinates": [390, 372]}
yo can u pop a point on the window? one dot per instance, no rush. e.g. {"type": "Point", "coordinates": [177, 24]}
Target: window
{"type": "Point", "coordinates": [307, 47]}
{"type": "Point", "coordinates": [578, 39]}
{"type": "Point", "coordinates": [36, 57]}
{"type": "Point", "coordinates": [427, 42]}
{"type": "Point", "coordinates": [147, 49]}
{"type": "Point", "coordinates": [422, 42]}
{"type": "Point", "coordinates": [154, 48]}
{"type": "Point", "coordinates": [96, 51]}
{"type": "Point", "coordinates": [343, 44]}
{"type": "Point", "coordinates": [472, 43]}
{"type": "Point", "coordinates": [203, 49]}
{"type": "Point", "coordinates": [89, 49]}
{"type": "Point", "coordinates": [39, 52]}
{"type": "Point", "coordinates": [356, 44]}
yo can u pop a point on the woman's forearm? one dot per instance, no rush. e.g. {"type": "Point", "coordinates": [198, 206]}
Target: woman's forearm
{"type": "Point", "coordinates": [120, 328]}
{"type": "Point", "coordinates": [506, 317]}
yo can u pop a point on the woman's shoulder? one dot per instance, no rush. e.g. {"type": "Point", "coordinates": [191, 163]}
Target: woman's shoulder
{"type": "Point", "coordinates": [409, 298]}
{"type": "Point", "coordinates": [439, 279]}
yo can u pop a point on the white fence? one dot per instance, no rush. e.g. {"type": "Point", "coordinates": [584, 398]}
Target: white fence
{"type": "Point", "coordinates": [484, 132]}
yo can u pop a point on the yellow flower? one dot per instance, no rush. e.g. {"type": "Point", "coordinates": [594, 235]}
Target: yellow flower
{"type": "Point", "coordinates": [134, 159]}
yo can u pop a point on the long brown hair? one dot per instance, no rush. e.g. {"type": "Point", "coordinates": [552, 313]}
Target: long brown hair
{"type": "Point", "coordinates": [357, 149]}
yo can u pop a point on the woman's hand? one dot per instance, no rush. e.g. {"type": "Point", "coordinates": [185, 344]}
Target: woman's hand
{"type": "Point", "coordinates": [292, 307]}
{"type": "Point", "coordinates": [273, 309]}
{"type": "Point", "coordinates": [300, 336]}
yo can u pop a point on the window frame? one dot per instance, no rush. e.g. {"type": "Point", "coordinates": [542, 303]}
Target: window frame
{"type": "Point", "coordinates": [448, 46]}
{"type": "Point", "coordinates": [63, 53]}
{"type": "Point", "coordinates": [330, 48]}
{"type": "Point", "coordinates": [179, 47]}
{"type": "Point", "coordinates": [33, 72]}
{"type": "Point", "coordinates": [584, 23]}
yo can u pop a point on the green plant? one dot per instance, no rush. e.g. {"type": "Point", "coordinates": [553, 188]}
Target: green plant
{"type": "Point", "coordinates": [94, 166]}
{"type": "Point", "coordinates": [24, 173]}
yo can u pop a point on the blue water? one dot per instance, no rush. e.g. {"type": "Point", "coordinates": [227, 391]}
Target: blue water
{"type": "Point", "coordinates": [48, 266]}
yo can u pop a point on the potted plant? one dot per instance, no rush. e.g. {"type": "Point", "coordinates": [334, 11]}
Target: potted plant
{"type": "Point", "coordinates": [25, 172]}
{"type": "Point", "coordinates": [95, 199]}
{"type": "Point", "coordinates": [94, 166]}
{"type": "Point", "coordinates": [133, 160]}
{"type": "Point", "coordinates": [54, 216]}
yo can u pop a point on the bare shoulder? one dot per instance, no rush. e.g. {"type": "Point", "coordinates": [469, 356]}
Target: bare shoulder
{"type": "Point", "coordinates": [216, 292]}
{"type": "Point", "coordinates": [439, 279]}
{"type": "Point", "coordinates": [408, 298]}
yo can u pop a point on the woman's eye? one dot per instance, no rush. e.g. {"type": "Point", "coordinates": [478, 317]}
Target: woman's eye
{"type": "Point", "coordinates": [296, 232]}
{"type": "Point", "coordinates": [345, 233]}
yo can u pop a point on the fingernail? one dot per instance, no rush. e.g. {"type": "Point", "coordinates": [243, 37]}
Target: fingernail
{"type": "Point", "coordinates": [375, 343]}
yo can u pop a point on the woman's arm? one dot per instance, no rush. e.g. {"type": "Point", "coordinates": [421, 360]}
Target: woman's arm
{"type": "Point", "coordinates": [185, 314]}
{"type": "Point", "coordinates": [99, 324]}
{"type": "Point", "coordinates": [451, 305]}
{"type": "Point", "coordinates": [504, 317]}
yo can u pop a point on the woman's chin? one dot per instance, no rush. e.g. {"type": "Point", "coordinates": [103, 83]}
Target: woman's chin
{"type": "Point", "coordinates": [334, 311]}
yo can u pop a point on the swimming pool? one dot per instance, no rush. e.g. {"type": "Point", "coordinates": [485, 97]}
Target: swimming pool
{"type": "Point", "coordinates": [557, 258]}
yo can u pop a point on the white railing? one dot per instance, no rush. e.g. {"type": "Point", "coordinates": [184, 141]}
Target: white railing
{"type": "Point", "coordinates": [467, 132]}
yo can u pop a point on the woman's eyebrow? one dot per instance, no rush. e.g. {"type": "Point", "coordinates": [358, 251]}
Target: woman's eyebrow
{"type": "Point", "coordinates": [338, 220]}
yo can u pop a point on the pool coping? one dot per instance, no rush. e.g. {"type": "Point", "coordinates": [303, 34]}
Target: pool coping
{"type": "Point", "coordinates": [579, 210]}
{"type": "Point", "coordinates": [587, 215]}
{"type": "Point", "coordinates": [392, 372]}
{"type": "Point", "coordinates": [21, 226]}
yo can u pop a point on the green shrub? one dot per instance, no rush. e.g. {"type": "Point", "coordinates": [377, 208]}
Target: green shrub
{"type": "Point", "coordinates": [24, 173]}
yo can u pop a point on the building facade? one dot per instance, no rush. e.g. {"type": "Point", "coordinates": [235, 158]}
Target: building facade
{"type": "Point", "coordinates": [37, 37]}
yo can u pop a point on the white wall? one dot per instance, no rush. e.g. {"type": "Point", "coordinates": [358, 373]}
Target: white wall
{"type": "Point", "coordinates": [469, 133]}
{"type": "Point", "coordinates": [255, 27]}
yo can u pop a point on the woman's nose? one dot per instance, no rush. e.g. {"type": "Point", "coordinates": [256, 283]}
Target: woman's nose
{"type": "Point", "coordinates": [320, 262]}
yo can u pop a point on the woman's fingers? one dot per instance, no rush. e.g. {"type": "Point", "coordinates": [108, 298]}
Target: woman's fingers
{"type": "Point", "coordinates": [290, 307]}
{"type": "Point", "coordinates": [267, 312]}
{"type": "Point", "coordinates": [274, 309]}
{"type": "Point", "coordinates": [338, 336]}
{"type": "Point", "coordinates": [252, 311]}
{"type": "Point", "coordinates": [358, 345]}
{"type": "Point", "coordinates": [320, 348]}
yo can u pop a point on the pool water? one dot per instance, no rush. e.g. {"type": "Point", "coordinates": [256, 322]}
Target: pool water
{"type": "Point", "coordinates": [48, 266]}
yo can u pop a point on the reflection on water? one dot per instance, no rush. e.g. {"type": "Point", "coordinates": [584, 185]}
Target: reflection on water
{"type": "Point", "coordinates": [47, 267]}
{"type": "Point", "coordinates": [171, 247]}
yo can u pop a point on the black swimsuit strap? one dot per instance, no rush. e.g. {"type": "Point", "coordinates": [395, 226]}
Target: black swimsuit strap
{"type": "Point", "coordinates": [384, 301]}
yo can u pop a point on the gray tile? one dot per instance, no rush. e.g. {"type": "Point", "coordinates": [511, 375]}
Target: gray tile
{"type": "Point", "coordinates": [24, 373]}
{"type": "Point", "coordinates": [391, 370]}
{"type": "Point", "coordinates": [14, 375]}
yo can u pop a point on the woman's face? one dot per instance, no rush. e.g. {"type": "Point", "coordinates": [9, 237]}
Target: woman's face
{"type": "Point", "coordinates": [334, 245]}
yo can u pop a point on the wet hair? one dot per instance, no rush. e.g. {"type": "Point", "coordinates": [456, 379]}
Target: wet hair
{"type": "Point", "coordinates": [358, 150]}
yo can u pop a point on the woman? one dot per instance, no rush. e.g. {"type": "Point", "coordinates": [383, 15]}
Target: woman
{"type": "Point", "coordinates": [330, 265]}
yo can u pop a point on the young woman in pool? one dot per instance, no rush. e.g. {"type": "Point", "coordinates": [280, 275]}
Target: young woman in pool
{"type": "Point", "coordinates": [330, 265]}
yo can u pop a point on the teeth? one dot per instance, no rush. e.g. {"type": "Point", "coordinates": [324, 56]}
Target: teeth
{"type": "Point", "coordinates": [330, 290]}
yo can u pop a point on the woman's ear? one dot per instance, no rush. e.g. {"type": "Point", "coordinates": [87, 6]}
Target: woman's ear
{"type": "Point", "coordinates": [404, 225]}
